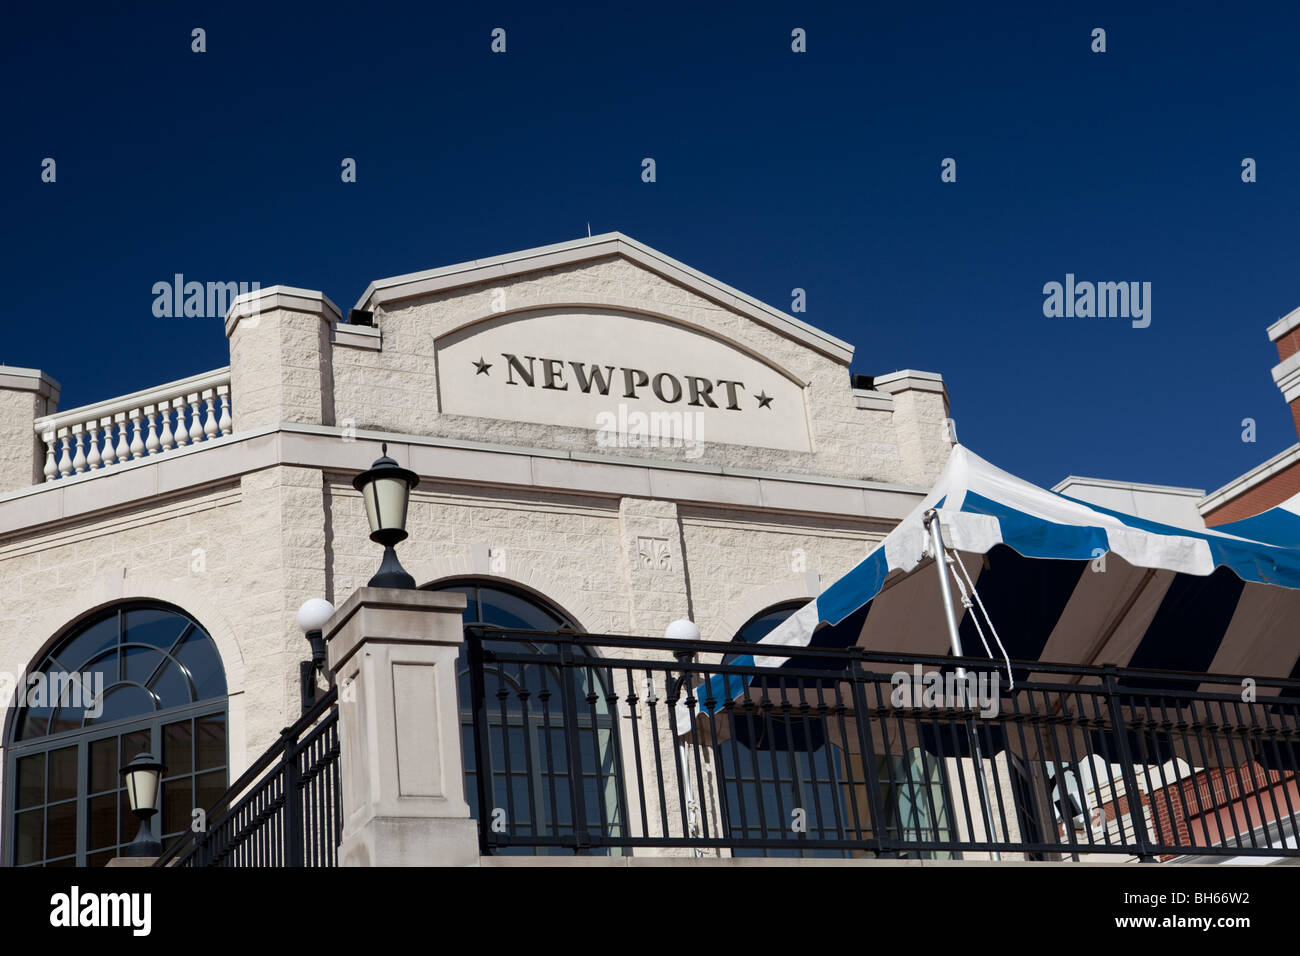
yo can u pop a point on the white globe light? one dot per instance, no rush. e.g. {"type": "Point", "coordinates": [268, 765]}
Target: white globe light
{"type": "Point", "coordinates": [682, 630]}
{"type": "Point", "coordinates": [314, 613]}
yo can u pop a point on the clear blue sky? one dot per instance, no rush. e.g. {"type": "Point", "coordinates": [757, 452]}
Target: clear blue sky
{"type": "Point", "coordinates": [775, 170]}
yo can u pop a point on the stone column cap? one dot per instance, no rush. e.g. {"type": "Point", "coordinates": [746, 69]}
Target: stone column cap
{"type": "Point", "coordinates": [15, 379]}
{"type": "Point", "coordinates": [281, 298]}
{"type": "Point", "coordinates": [908, 378]}
{"type": "Point", "coordinates": [390, 616]}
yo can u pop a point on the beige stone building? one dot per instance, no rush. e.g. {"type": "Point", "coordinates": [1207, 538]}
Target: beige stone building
{"type": "Point", "coordinates": [599, 430]}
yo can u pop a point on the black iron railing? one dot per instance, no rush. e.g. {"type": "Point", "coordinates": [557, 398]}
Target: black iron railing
{"type": "Point", "coordinates": [284, 811]}
{"type": "Point", "coordinates": [605, 744]}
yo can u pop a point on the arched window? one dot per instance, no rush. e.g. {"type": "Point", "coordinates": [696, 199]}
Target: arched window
{"type": "Point", "coordinates": [530, 770]}
{"type": "Point", "coordinates": [132, 677]}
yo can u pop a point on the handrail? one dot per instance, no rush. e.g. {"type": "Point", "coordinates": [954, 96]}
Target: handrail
{"type": "Point", "coordinates": [288, 736]}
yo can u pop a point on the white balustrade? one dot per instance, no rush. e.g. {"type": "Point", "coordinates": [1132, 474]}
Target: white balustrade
{"type": "Point", "coordinates": [140, 425]}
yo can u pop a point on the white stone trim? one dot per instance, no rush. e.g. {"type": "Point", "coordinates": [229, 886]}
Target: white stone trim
{"type": "Point", "coordinates": [357, 336]}
{"type": "Point", "coordinates": [1284, 325]}
{"type": "Point", "coordinates": [874, 400]}
{"type": "Point", "coordinates": [384, 291]}
{"type": "Point", "coordinates": [1072, 480]}
{"type": "Point", "coordinates": [1257, 475]}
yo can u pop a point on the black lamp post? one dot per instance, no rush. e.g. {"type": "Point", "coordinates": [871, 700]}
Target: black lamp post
{"type": "Point", "coordinates": [142, 776]}
{"type": "Point", "coordinates": [312, 617]}
{"type": "Point", "coordinates": [386, 489]}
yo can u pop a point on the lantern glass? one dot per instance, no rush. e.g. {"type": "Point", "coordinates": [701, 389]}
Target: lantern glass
{"type": "Point", "coordinates": [142, 788]}
{"type": "Point", "coordinates": [386, 500]}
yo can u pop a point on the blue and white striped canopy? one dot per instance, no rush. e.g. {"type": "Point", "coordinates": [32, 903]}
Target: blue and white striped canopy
{"type": "Point", "coordinates": [1070, 582]}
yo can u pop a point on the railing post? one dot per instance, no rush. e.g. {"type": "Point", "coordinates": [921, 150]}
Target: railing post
{"type": "Point", "coordinates": [293, 849]}
{"type": "Point", "coordinates": [393, 653]}
{"type": "Point", "coordinates": [483, 780]}
{"type": "Point", "coordinates": [862, 717]}
{"type": "Point", "coordinates": [1131, 794]}
{"type": "Point", "coordinates": [577, 792]}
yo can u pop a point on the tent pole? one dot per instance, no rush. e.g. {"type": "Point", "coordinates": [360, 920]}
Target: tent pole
{"type": "Point", "coordinates": [945, 590]}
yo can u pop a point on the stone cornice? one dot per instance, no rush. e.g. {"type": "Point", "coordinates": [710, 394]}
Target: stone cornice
{"type": "Point", "coordinates": [384, 291]}
{"type": "Point", "coordinates": [1257, 475]}
{"type": "Point", "coordinates": [475, 464]}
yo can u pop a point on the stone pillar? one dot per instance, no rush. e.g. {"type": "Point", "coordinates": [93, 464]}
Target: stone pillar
{"type": "Point", "coordinates": [920, 422]}
{"type": "Point", "coordinates": [280, 359]}
{"type": "Point", "coordinates": [26, 394]}
{"type": "Point", "coordinates": [658, 590]}
{"type": "Point", "coordinates": [393, 653]}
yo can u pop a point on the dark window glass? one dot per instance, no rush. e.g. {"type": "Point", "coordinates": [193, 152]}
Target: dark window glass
{"type": "Point", "coordinates": [102, 821]}
{"type": "Point", "coordinates": [61, 829]}
{"type": "Point", "coordinates": [140, 663]}
{"type": "Point", "coordinates": [200, 660]}
{"type": "Point", "coordinates": [121, 702]}
{"type": "Point", "coordinates": [29, 832]}
{"type": "Point", "coordinates": [177, 804]}
{"type": "Point", "coordinates": [210, 788]}
{"type": "Point", "coordinates": [103, 765]}
{"type": "Point", "coordinates": [31, 781]}
{"type": "Point", "coordinates": [178, 747]}
{"type": "Point", "coordinates": [155, 626]}
{"type": "Point", "coordinates": [211, 742]}
{"type": "Point", "coordinates": [86, 646]}
{"type": "Point", "coordinates": [63, 774]}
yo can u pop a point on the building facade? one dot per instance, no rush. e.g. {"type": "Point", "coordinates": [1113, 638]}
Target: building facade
{"type": "Point", "coordinates": [1278, 479]}
{"type": "Point", "coordinates": [604, 437]}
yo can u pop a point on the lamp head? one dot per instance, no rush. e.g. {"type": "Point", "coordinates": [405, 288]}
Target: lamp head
{"type": "Point", "coordinates": [386, 489]}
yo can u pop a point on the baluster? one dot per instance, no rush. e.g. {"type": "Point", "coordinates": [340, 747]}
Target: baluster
{"type": "Point", "coordinates": [196, 429]}
{"type": "Point", "coordinates": [182, 434]}
{"type": "Point", "coordinates": [50, 468]}
{"type": "Point", "coordinates": [137, 444]}
{"type": "Point", "coordinates": [110, 453]}
{"type": "Point", "coordinates": [65, 457]}
{"type": "Point", "coordinates": [92, 439]}
{"type": "Point", "coordinates": [79, 456]}
{"type": "Point", "coordinates": [123, 446]}
{"type": "Point", "coordinates": [151, 441]}
{"type": "Point", "coordinates": [210, 418]}
{"type": "Point", "coordinates": [224, 422]}
{"type": "Point", "coordinates": [168, 441]}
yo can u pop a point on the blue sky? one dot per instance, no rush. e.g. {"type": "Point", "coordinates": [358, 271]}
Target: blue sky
{"type": "Point", "coordinates": [775, 171]}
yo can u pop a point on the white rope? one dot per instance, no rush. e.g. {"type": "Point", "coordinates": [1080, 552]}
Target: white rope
{"type": "Point", "coordinates": [955, 558]}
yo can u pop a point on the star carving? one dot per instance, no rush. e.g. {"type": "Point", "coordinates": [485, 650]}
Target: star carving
{"type": "Point", "coordinates": [764, 400]}
{"type": "Point", "coordinates": [482, 366]}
